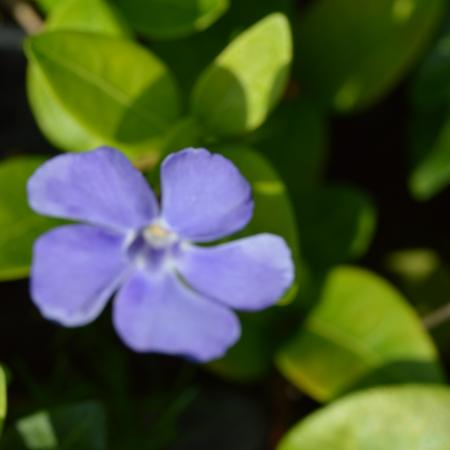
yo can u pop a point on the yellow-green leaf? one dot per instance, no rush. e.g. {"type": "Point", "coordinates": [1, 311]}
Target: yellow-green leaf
{"type": "Point", "coordinates": [362, 332]}
{"type": "Point", "coordinates": [236, 93]}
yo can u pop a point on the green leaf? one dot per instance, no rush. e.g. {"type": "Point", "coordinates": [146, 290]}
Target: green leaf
{"type": "Point", "coordinates": [168, 19]}
{"type": "Point", "coordinates": [236, 93]}
{"type": "Point", "coordinates": [273, 211]}
{"type": "Point", "coordinates": [336, 223]}
{"type": "Point", "coordinates": [351, 62]}
{"type": "Point", "coordinates": [409, 417]}
{"type": "Point", "coordinates": [18, 224]}
{"type": "Point", "coordinates": [252, 356]}
{"type": "Point", "coordinates": [431, 85]}
{"type": "Point", "coordinates": [57, 123]}
{"type": "Point", "coordinates": [430, 127]}
{"type": "Point", "coordinates": [362, 332]}
{"type": "Point", "coordinates": [96, 16]}
{"type": "Point", "coordinates": [47, 5]}
{"type": "Point", "coordinates": [119, 91]}
{"type": "Point", "coordinates": [2, 398]}
{"type": "Point", "coordinates": [429, 153]}
{"type": "Point", "coordinates": [301, 158]}
{"type": "Point", "coordinates": [74, 427]}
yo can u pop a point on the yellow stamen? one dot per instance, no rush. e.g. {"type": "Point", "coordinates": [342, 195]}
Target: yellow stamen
{"type": "Point", "coordinates": [158, 231]}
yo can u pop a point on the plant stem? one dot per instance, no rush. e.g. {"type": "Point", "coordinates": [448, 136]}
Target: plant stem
{"type": "Point", "coordinates": [25, 15]}
{"type": "Point", "coordinates": [437, 317]}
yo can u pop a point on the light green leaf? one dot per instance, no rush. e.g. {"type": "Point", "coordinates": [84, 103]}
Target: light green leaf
{"type": "Point", "coordinates": [2, 398]}
{"type": "Point", "coordinates": [167, 19]}
{"type": "Point", "coordinates": [47, 5]}
{"type": "Point", "coordinates": [411, 417]}
{"type": "Point", "coordinates": [96, 16]}
{"type": "Point", "coordinates": [57, 123]}
{"type": "Point", "coordinates": [19, 226]}
{"type": "Point", "coordinates": [337, 224]}
{"type": "Point", "coordinates": [351, 62]}
{"type": "Point", "coordinates": [362, 332]}
{"type": "Point", "coordinates": [252, 356]}
{"type": "Point", "coordinates": [236, 93]}
{"type": "Point", "coordinates": [74, 427]}
{"type": "Point", "coordinates": [117, 90]}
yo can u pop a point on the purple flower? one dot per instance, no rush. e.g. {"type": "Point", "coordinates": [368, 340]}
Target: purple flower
{"type": "Point", "coordinates": [173, 296]}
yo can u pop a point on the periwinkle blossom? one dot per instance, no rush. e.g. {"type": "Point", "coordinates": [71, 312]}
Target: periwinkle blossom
{"type": "Point", "coordinates": [173, 295]}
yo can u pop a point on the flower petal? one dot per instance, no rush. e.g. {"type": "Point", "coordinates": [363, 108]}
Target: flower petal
{"type": "Point", "coordinates": [204, 195]}
{"type": "Point", "coordinates": [160, 314]}
{"type": "Point", "coordinates": [100, 187]}
{"type": "Point", "coordinates": [247, 274]}
{"type": "Point", "coordinates": [76, 269]}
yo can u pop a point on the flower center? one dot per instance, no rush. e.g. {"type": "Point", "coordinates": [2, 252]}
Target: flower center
{"type": "Point", "coordinates": [154, 247]}
{"type": "Point", "coordinates": [158, 236]}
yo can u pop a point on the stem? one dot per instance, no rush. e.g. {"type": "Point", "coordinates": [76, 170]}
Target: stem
{"type": "Point", "coordinates": [25, 15]}
{"type": "Point", "coordinates": [437, 317]}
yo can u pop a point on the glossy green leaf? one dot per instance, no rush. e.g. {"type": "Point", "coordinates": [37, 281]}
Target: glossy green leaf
{"type": "Point", "coordinates": [411, 417]}
{"type": "Point", "coordinates": [362, 332]}
{"type": "Point", "coordinates": [19, 226]}
{"type": "Point", "coordinates": [188, 56]}
{"type": "Point", "coordinates": [96, 16]}
{"type": "Point", "coordinates": [119, 91]}
{"type": "Point", "coordinates": [57, 123]}
{"type": "Point", "coordinates": [2, 398]}
{"type": "Point", "coordinates": [166, 19]}
{"type": "Point", "coordinates": [337, 224]}
{"type": "Point", "coordinates": [236, 93]}
{"type": "Point", "coordinates": [74, 427]}
{"type": "Point", "coordinates": [351, 52]}
{"type": "Point", "coordinates": [252, 356]}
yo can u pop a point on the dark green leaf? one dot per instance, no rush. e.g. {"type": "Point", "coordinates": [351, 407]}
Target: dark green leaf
{"type": "Point", "coordinates": [336, 223]}
{"type": "Point", "coordinates": [295, 140]}
{"type": "Point", "coordinates": [430, 127]}
{"type": "Point", "coordinates": [351, 52]}
{"type": "Point", "coordinates": [74, 427]}
{"type": "Point", "coordinates": [166, 19]}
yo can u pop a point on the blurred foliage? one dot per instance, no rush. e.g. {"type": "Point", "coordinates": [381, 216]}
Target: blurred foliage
{"type": "Point", "coordinates": [364, 53]}
{"type": "Point", "coordinates": [261, 83]}
{"type": "Point", "coordinates": [20, 226]}
{"type": "Point", "coordinates": [69, 427]}
{"type": "Point", "coordinates": [409, 417]}
{"type": "Point", "coordinates": [362, 332]}
{"type": "Point", "coordinates": [2, 397]}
